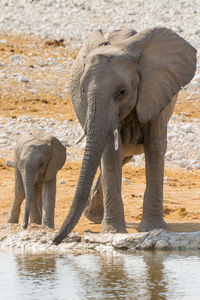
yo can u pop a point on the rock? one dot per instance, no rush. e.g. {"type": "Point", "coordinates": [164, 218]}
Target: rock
{"type": "Point", "coordinates": [62, 181]}
{"type": "Point", "coordinates": [104, 248]}
{"type": "Point", "coordinates": [15, 58]}
{"type": "Point", "coordinates": [40, 240]}
{"type": "Point", "coordinates": [73, 237]}
{"type": "Point", "coordinates": [165, 179]}
{"type": "Point", "coordinates": [33, 91]}
{"type": "Point", "coordinates": [184, 163]}
{"type": "Point", "coordinates": [189, 168]}
{"type": "Point", "coordinates": [3, 141]}
{"type": "Point", "coordinates": [10, 163]}
{"type": "Point", "coordinates": [197, 167]}
{"type": "Point", "coordinates": [3, 41]}
{"type": "Point", "coordinates": [187, 127]}
{"type": "Point", "coordinates": [51, 61]}
{"type": "Point", "coordinates": [127, 241]}
{"type": "Point", "coordinates": [162, 244]}
{"type": "Point", "coordinates": [23, 78]}
{"type": "Point", "coordinates": [103, 238]}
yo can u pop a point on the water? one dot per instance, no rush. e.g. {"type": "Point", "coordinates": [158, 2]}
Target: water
{"type": "Point", "coordinates": [113, 275]}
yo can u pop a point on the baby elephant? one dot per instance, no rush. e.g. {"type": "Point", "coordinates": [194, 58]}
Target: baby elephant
{"type": "Point", "coordinates": [38, 157]}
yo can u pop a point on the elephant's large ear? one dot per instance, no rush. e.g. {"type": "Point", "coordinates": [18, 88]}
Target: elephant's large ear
{"type": "Point", "coordinates": [166, 63]}
{"type": "Point", "coordinates": [57, 159]}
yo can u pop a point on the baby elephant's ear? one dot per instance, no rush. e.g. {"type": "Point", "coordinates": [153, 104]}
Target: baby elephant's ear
{"type": "Point", "coordinates": [57, 159]}
{"type": "Point", "coordinates": [166, 63]}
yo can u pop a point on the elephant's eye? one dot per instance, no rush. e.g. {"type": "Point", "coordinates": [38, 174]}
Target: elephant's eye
{"type": "Point", "coordinates": [83, 90]}
{"type": "Point", "coordinates": [120, 93]}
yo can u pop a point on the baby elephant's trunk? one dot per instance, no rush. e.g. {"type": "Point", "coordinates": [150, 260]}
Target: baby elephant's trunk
{"type": "Point", "coordinates": [29, 187]}
{"type": "Point", "coordinates": [26, 214]}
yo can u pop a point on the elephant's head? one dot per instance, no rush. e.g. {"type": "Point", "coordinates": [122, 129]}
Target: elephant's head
{"type": "Point", "coordinates": [39, 156]}
{"type": "Point", "coordinates": [110, 78]}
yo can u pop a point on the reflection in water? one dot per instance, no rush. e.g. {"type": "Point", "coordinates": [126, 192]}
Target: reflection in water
{"type": "Point", "coordinates": [184, 275]}
{"type": "Point", "coordinates": [155, 265]}
{"type": "Point", "coordinates": [113, 275]}
{"type": "Point", "coordinates": [35, 266]}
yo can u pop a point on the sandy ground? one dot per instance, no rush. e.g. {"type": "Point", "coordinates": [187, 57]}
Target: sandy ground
{"type": "Point", "coordinates": [181, 191]}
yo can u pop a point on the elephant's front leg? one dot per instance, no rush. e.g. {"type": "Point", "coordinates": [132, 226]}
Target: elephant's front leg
{"type": "Point", "coordinates": [48, 196]}
{"type": "Point", "coordinates": [111, 170]}
{"type": "Point", "coordinates": [155, 140]}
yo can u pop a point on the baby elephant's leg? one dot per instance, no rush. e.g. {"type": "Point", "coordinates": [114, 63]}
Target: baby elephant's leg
{"type": "Point", "coordinates": [48, 197]}
{"type": "Point", "coordinates": [19, 196]}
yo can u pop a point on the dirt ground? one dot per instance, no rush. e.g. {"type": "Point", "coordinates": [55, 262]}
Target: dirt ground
{"type": "Point", "coordinates": [181, 191]}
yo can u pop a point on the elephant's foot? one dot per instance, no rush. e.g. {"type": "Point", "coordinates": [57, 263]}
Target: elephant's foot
{"type": "Point", "coordinates": [12, 219]}
{"type": "Point", "coordinates": [152, 223]}
{"type": "Point", "coordinates": [117, 227]}
{"type": "Point", "coordinates": [36, 220]}
{"type": "Point", "coordinates": [48, 222]}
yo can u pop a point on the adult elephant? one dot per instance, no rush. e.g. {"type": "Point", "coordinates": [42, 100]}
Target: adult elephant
{"type": "Point", "coordinates": [38, 157]}
{"type": "Point", "coordinates": [124, 90]}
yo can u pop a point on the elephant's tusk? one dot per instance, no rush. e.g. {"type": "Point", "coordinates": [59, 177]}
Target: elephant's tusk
{"type": "Point", "coordinates": [116, 139]}
{"type": "Point", "coordinates": [80, 138]}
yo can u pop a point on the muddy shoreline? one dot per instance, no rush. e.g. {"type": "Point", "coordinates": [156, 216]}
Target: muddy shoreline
{"type": "Point", "coordinates": [39, 240]}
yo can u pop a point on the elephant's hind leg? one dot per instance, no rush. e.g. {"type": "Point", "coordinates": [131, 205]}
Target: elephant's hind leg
{"type": "Point", "coordinates": [94, 209]}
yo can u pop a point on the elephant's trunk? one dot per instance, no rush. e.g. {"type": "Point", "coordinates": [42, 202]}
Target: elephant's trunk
{"type": "Point", "coordinates": [29, 189]}
{"type": "Point", "coordinates": [96, 136]}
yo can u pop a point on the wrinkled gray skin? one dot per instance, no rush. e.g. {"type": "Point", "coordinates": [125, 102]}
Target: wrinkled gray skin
{"type": "Point", "coordinates": [38, 157]}
{"type": "Point", "coordinates": [128, 81]}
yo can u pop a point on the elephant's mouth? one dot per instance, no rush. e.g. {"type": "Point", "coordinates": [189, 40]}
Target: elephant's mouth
{"type": "Point", "coordinates": [131, 130]}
